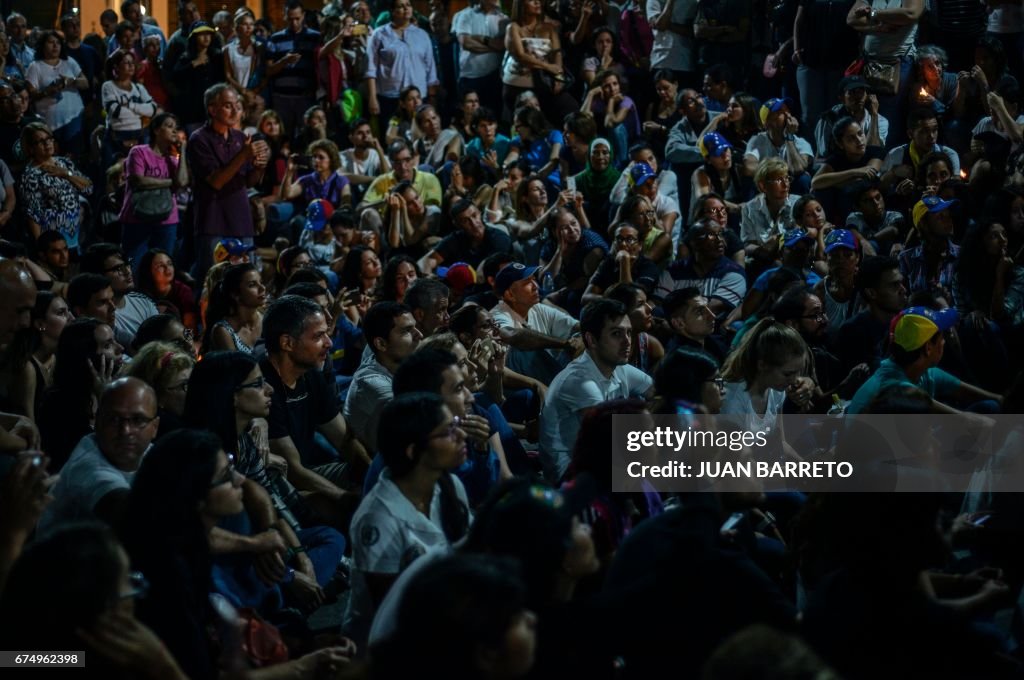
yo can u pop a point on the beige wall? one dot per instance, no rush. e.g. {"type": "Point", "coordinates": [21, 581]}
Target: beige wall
{"type": "Point", "coordinates": [162, 10]}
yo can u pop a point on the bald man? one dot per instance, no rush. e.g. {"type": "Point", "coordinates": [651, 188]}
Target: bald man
{"type": "Point", "coordinates": [95, 481]}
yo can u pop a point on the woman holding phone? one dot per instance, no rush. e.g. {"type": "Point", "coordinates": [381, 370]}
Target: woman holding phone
{"type": "Point", "coordinates": [159, 165]}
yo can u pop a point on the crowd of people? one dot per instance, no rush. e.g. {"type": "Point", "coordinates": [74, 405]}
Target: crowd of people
{"type": "Point", "coordinates": [313, 329]}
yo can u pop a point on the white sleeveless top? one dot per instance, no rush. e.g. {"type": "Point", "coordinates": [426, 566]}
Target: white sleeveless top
{"type": "Point", "coordinates": [899, 43]}
{"type": "Point", "coordinates": [518, 75]}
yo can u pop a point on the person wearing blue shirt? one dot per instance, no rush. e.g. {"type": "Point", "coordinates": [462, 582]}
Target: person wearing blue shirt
{"type": "Point", "coordinates": [917, 341]}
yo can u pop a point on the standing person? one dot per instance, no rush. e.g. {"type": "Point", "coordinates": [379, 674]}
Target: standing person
{"type": "Point", "coordinates": [50, 186]}
{"type": "Point", "coordinates": [125, 104]}
{"type": "Point", "coordinates": [480, 29]}
{"type": "Point", "coordinates": [292, 69]}
{"type": "Point", "coordinates": [54, 82]}
{"type": "Point", "coordinates": [244, 59]}
{"type": "Point", "coordinates": [672, 22]}
{"type": "Point", "coordinates": [188, 14]}
{"type": "Point", "coordinates": [17, 31]}
{"type": "Point", "coordinates": [822, 47]}
{"type": "Point", "coordinates": [532, 46]}
{"type": "Point", "coordinates": [131, 12]}
{"type": "Point", "coordinates": [199, 68]}
{"type": "Point", "coordinates": [400, 55]}
{"type": "Point", "coordinates": [84, 55]}
{"type": "Point", "coordinates": [159, 165]}
{"type": "Point", "coordinates": [225, 163]}
{"type": "Point", "coordinates": [890, 32]}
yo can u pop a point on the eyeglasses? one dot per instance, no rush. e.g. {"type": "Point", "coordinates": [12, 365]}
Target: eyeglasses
{"type": "Point", "coordinates": [708, 235]}
{"type": "Point", "coordinates": [228, 476]}
{"type": "Point", "coordinates": [819, 316]}
{"type": "Point", "coordinates": [450, 432]}
{"type": "Point", "coordinates": [719, 383]}
{"type": "Point", "coordinates": [717, 211]}
{"type": "Point", "coordinates": [122, 268]}
{"type": "Point", "coordinates": [779, 180]}
{"type": "Point", "coordinates": [42, 140]}
{"type": "Point", "coordinates": [254, 385]}
{"type": "Point", "coordinates": [133, 422]}
{"type": "Point", "coordinates": [139, 586]}
{"type": "Point", "coordinates": [627, 241]}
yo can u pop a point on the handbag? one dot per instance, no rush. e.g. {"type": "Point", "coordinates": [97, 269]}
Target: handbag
{"type": "Point", "coordinates": [544, 82]}
{"type": "Point", "coordinates": [882, 76]}
{"type": "Point", "coordinates": [152, 205]}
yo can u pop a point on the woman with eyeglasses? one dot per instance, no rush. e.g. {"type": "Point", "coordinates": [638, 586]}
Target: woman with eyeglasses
{"type": "Point", "coordinates": [234, 319]}
{"type": "Point", "coordinates": [90, 608]}
{"type": "Point", "coordinates": [51, 187]}
{"type": "Point", "coordinates": [416, 505]}
{"type": "Point", "coordinates": [639, 211]}
{"type": "Point", "coordinates": [156, 278]}
{"type": "Point", "coordinates": [88, 357]}
{"type": "Point", "coordinates": [229, 396]}
{"type": "Point", "coordinates": [625, 263]}
{"type": "Point", "coordinates": [185, 486]}
{"type": "Point", "coordinates": [166, 369]}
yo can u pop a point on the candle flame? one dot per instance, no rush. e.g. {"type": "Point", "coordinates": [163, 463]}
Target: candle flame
{"type": "Point", "coordinates": [924, 92]}
{"type": "Point", "coordinates": [963, 174]}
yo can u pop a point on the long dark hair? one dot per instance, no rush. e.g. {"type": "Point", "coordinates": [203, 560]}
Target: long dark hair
{"type": "Point", "coordinates": [210, 402]}
{"type": "Point", "coordinates": [388, 288]}
{"type": "Point", "coordinates": [144, 273]}
{"type": "Point", "coordinates": [408, 421]}
{"type": "Point", "coordinates": [351, 274]}
{"type": "Point", "coordinates": [222, 304]}
{"type": "Point", "coordinates": [76, 345]}
{"type": "Point", "coordinates": [681, 376]}
{"type": "Point", "coordinates": [974, 272]}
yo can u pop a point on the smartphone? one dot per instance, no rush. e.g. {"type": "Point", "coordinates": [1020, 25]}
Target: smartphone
{"type": "Point", "coordinates": [981, 520]}
{"type": "Point", "coordinates": [305, 161]}
{"type": "Point", "coordinates": [570, 183]}
{"type": "Point", "coordinates": [730, 524]}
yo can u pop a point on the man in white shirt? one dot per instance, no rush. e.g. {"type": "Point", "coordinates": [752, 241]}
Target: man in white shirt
{"type": "Point", "coordinates": [779, 140]}
{"type": "Point", "coordinates": [365, 160]}
{"type": "Point", "coordinates": [480, 29]}
{"type": "Point", "coordinates": [599, 374]}
{"type": "Point", "coordinates": [540, 335]}
{"type": "Point", "coordinates": [132, 308]}
{"type": "Point", "coordinates": [673, 49]}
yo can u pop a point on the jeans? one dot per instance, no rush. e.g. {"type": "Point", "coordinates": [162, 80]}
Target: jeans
{"type": "Point", "coordinates": [137, 238]}
{"type": "Point", "coordinates": [894, 106]}
{"type": "Point", "coordinates": [819, 91]}
{"type": "Point", "coordinates": [70, 140]}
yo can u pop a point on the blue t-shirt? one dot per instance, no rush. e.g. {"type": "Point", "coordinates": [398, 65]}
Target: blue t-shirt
{"type": "Point", "coordinates": [761, 284]}
{"type": "Point", "coordinates": [500, 147]}
{"type": "Point", "coordinates": [936, 382]}
{"type": "Point", "coordinates": [538, 153]}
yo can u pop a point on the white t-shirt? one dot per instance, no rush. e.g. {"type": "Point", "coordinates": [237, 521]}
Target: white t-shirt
{"type": "Point", "coordinates": [352, 165]}
{"type": "Point", "coordinates": [671, 50]}
{"type": "Point", "coordinates": [59, 110]}
{"type": "Point", "coordinates": [472, 21]}
{"type": "Point", "coordinates": [578, 387]}
{"type": "Point", "coordinates": [388, 534]}
{"type": "Point", "coordinates": [760, 146]}
{"type": "Point", "coordinates": [137, 308]}
{"type": "Point", "coordinates": [542, 364]}
{"type": "Point", "coordinates": [895, 158]}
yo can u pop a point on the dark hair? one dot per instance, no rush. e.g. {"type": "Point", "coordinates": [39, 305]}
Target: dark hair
{"type": "Point", "coordinates": [82, 287]}
{"type": "Point", "coordinates": [597, 313]}
{"type": "Point", "coordinates": [398, 146]}
{"type": "Point", "coordinates": [790, 305]}
{"type": "Point", "coordinates": [919, 115]}
{"type": "Point", "coordinates": [45, 602]}
{"type": "Point", "coordinates": [592, 450]}
{"type": "Point", "coordinates": [152, 330]}
{"type": "Point", "coordinates": [702, 200]}
{"type": "Point", "coordinates": [993, 46]}
{"type": "Point", "coordinates": [287, 315]}
{"type": "Point", "coordinates": [351, 274]}
{"type": "Point", "coordinates": [626, 293]}
{"type": "Point", "coordinates": [870, 270]}
{"type": "Point", "coordinates": [388, 288]}
{"type": "Point", "coordinates": [210, 400]}
{"type": "Point", "coordinates": [839, 129]}
{"type": "Point", "coordinates": [407, 421]}
{"type": "Point", "coordinates": [48, 238]}
{"type": "Point", "coordinates": [306, 289]}
{"type": "Point", "coordinates": [492, 264]}
{"type": "Point", "coordinates": [115, 59]}
{"type": "Point", "coordinates": [423, 293]}
{"type": "Point", "coordinates": [159, 120]}
{"type": "Point", "coordinates": [682, 374]}
{"type": "Point", "coordinates": [46, 35]}
{"type": "Point", "coordinates": [96, 254]}
{"type": "Point", "coordinates": [453, 610]}
{"type": "Point", "coordinates": [422, 371]}
{"type": "Point", "coordinates": [582, 125]}
{"type": "Point", "coordinates": [720, 73]}
{"type": "Point", "coordinates": [144, 273]}
{"type": "Point", "coordinates": [307, 275]}
{"type": "Point", "coordinates": [533, 119]}
{"type": "Point", "coordinates": [379, 320]}
{"type": "Point", "coordinates": [343, 217]}
{"type": "Point", "coordinates": [463, 319]}
{"type": "Point", "coordinates": [484, 114]}
{"type": "Point", "coordinates": [222, 302]}
{"type": "Point", "coordinates": [678, 299]}
{"type": "Point", "coordinates": [460, 206]}
{"type": "Point", "coordinates": [71, 374]}
{"type": "Point", "coordinates": [975, 272]}
{"type": "Point", "coordinates": [930, 159]}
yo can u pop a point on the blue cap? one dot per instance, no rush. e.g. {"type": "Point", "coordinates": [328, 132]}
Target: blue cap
{"type": "Point", "coordinates": [773, 105]}
{"type": "Point", "coordinates": [713, 145]}
{"type": "Point", "coordinates": [840, 238]}
{"type": "Point", "coordinates": [317, 213]}
{"type": "Point", "coordinates": [794, 236]}
{"type": "Point", "coordinates": [510, 274]}
{"type": "Point", "coordinates": [640, 173]}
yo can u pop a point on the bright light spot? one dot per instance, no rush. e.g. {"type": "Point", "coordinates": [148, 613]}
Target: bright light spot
{"type": "Point", "coordinates": [142, 8]}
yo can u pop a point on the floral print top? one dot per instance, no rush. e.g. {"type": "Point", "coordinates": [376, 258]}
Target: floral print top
{"type": "Point", "coordinates": [52, 202]}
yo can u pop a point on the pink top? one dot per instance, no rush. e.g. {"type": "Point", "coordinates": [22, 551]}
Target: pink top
{"type": "Point", "coordinates": [142, 161]}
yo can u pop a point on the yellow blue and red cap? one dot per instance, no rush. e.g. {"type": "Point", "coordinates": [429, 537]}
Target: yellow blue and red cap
{"type": "Point", "coordinates": [915, 326]}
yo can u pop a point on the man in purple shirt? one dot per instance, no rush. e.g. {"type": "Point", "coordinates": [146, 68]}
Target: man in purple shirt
{"type": "Point", "coordinates": [224, 163]}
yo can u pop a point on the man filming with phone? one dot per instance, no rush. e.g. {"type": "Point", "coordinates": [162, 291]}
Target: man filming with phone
{"type": "Point", "coordinates": [224, 162]}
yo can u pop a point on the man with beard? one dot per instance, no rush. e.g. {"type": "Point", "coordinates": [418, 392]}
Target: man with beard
{"type": "Point", "coordinates": [601, 373]}
{"type": "Point", "coordinates": [304, 403]}
{"type": "Point", "coordinates": [132, 308]}
{"type": "Point", "coordinates": [862, 338]}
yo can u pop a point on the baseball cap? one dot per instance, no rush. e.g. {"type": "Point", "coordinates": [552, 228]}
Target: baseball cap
{"type": "Point", "coordinates": [510, 274]}
{"type": "Point", "coordinates": [317, 213]}
{"type": "Point", "coordinates": [794, 236]}
{"type": "Point", "coordinates": [230, 247]}
{"type": "Point", "coordinates": [713, 145]}
{"type": "Point", "coordinates": [773, 105]}
{"type": "Point", "coordinates": [458, 277]}
{"type": "Point", "coordinates": [931, 204]}
{"type": "Point", "coordinates": [915, 326]}
{"type": "Point", "coordinates": [840, 238]}
{"type": "Point", "coordinates": [201, 27]}
{"type": "Point", "coordinates": [853, 83]}
{"type": "Point", "coordinates": [640, 173]}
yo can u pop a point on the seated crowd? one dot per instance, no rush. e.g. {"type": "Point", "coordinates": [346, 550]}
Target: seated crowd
{"type": "Point", "coordinates": [312, 335]}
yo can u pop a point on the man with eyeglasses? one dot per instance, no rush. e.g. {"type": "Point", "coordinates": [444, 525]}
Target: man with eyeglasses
{"type": "Point", "coordinates": [403, 169]}
{"type": "Point", "coordinates": [131, 307]}
{"type": "Point", "coordinates": [719, 279]}
{"type": "Point", "coordinates": [95, 481]}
